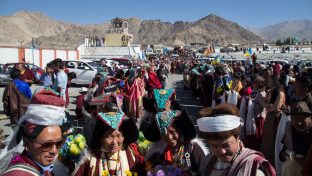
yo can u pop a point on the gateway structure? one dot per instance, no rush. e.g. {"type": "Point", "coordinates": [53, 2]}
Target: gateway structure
{"type": "Point", "coordinates": [117, 43]}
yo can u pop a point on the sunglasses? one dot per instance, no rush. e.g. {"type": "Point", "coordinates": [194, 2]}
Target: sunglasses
{"type": "Point", "coordinates": [47, 146]}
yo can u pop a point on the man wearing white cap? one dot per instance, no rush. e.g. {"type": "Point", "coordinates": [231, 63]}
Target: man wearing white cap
{"type": "Point", "coordinates": [40, 131]}
{"type": "Point", "coordinates": [221, 127]}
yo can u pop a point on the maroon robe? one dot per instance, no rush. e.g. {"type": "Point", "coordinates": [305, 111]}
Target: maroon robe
{"type": "Point", "coordinates": [22, 165]}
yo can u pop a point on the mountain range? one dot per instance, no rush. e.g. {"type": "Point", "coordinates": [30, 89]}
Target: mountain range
{"type": "Point", "coordinates": [21, 27]}
{"type": "Point", "coordinates": [301, 29]}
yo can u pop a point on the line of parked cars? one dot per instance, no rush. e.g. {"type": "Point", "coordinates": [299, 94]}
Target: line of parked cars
{"type": "Point", "coordinates": [85, 69]}
{"type": "Point", "coordinates": [6, 68]}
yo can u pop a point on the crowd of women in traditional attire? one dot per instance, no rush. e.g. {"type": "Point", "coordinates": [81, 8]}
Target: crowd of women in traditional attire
{"type": "Point", "coordinates": [268, 96]}
{"type": "Point", "coordinates": [227, 138]}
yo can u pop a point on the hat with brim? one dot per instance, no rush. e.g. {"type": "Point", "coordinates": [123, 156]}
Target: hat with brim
{"type": "Point", "coordinates": [300, 108]}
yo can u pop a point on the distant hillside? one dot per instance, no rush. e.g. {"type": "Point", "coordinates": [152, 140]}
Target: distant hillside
{"type": "Point", "coordinates": [302, 29]}
{"type": "Point", "coordinates": [51, 33]}
{"type": "Point", "coordinates": [26, 25]}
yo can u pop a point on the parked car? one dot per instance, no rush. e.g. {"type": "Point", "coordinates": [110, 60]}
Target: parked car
{"type": "Point", "coordinates": [38, 71]}
{"type": "Point", "coordinates": [308, 65]}
{"type": "Point", "coordinates": [4, 76]}
{"type": "Point", "coordinates": [84, 71]}
{"type": "Point", "coordinates": [227, 50]}
{"type": "Point", "coordinates": [121, 61]}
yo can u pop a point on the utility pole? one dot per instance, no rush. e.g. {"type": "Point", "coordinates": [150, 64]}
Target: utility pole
{"type": "Point", "coordinates": [21, 42]}
{"type": "Point", "coordinates": [32, 50]}
{"type": "Point", "coordinates": [21, 51]}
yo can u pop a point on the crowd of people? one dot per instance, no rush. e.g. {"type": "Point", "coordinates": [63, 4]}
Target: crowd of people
{"type": "Point", "coordinates": [256, 120]}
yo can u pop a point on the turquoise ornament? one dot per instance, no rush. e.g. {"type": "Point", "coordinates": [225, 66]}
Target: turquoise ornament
{"type": "Point", "coordinates": [112, 120]}
{"type": "Point", "coordinates": [162, 96]}
{"type": "Point", "coordinates": [164, 120]}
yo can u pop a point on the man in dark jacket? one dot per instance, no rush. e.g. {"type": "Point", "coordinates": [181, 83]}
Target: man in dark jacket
{"type": "Point", "coordinates": [16, 97]}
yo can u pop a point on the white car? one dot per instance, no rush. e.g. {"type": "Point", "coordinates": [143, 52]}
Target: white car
{"type": "Point", "coordinates": [84, 72]}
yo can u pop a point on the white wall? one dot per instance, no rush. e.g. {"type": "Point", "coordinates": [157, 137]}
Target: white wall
{"type": "Point", "coordinates": [72, 55]}
{"type": "Point", "coordinates": [47, 56]}
{"type": "Point", "coordinates": [28, 56]}
{"type": "Point", "coordinates": [8, 55]}
{"type": "Point", "coordinates": [61, 54]}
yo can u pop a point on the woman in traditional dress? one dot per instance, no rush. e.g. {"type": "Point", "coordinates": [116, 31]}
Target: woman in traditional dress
{"type": "Point", "coordinates": [207, 86]}
{"type": "Point", "coordinates": [173, 134]}
{"type": "Point", "coordinates": [253, 141]}
{"type": "Point", "coordinates": [135, 96]}
{"type": "Point", "coordinates": [152, 82]}
{"type": "Point", "coordinates": [40, 131]}
{"type": "Point", "coordinates": [112, 149]}
{"type": "Point", "coordinates": [228, 157]}
{"type": "Point", "coordinates": [275, 99]}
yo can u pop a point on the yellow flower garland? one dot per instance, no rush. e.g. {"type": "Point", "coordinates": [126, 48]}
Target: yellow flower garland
{"type": "Point", "coordinates": [105, 173]}
{"type": "Point", "coordinates": [128, 173]}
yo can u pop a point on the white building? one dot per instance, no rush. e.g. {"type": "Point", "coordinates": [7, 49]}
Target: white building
{"type": "Point", "coordinates": [116, 44]}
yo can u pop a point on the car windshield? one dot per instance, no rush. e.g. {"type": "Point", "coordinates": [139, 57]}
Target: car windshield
{"type": "Point", "coordinates": [93, 64]}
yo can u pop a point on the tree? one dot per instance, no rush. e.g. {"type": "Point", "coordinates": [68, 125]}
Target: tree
{"type": "Point", "coordinates": [279, 42]}
{"type": "Point", "coordinates": [288, 41]}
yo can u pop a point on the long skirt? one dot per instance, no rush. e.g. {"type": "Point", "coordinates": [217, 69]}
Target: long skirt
{"type": "Point", "coordinates": [269, 135]}
{"type": "Point", "coordinates": [254, 141]}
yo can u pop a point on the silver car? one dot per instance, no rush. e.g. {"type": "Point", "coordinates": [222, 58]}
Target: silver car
{"type": "Point", "coordinates": [84, 72]}
{"type": "Point", "coordinates": [4, 76]}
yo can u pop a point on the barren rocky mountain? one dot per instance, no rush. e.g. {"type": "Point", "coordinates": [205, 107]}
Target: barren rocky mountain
{"type": "Point", "coordinates": [302, 29]}
{"type": "Point", "coordinates": [50, 33]}
{"type": "Point", "coordinates": [27, 25]}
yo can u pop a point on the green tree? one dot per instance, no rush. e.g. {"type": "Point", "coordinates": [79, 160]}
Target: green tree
{"type": "Point", "coordinates": [288, 41]}
{"type": "Point", "coordinates": [279, 42]}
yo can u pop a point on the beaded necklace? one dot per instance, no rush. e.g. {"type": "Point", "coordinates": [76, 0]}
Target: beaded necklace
{"type": "Point", "coordinates": [107, 169]}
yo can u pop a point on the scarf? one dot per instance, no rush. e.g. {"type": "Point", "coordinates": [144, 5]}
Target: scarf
{"type": "Point", "coordinates": [153, 81]}
{"type": "Point", "coordinates": [168, 155]}
{"type": "Point", "coordinates": [25, 159]}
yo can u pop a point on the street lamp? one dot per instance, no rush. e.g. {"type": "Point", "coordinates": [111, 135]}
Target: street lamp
{"type": "Point", "coordinates": [32, 50]}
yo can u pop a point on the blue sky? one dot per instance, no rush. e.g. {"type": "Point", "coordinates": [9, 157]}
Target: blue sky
{"type": "Point", "coordinates": [247, 13]}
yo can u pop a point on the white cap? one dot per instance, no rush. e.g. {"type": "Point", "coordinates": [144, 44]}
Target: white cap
{"type": "Point", "coordinates": [42, 114]}
{"type": "Point", "coordinates": [219, 123]}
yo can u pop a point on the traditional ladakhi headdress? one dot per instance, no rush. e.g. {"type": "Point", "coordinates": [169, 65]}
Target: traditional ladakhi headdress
{"type": "Point", "coordinates": [112, 118]}
{"type": "Point", "coordinates": [158, 125]}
